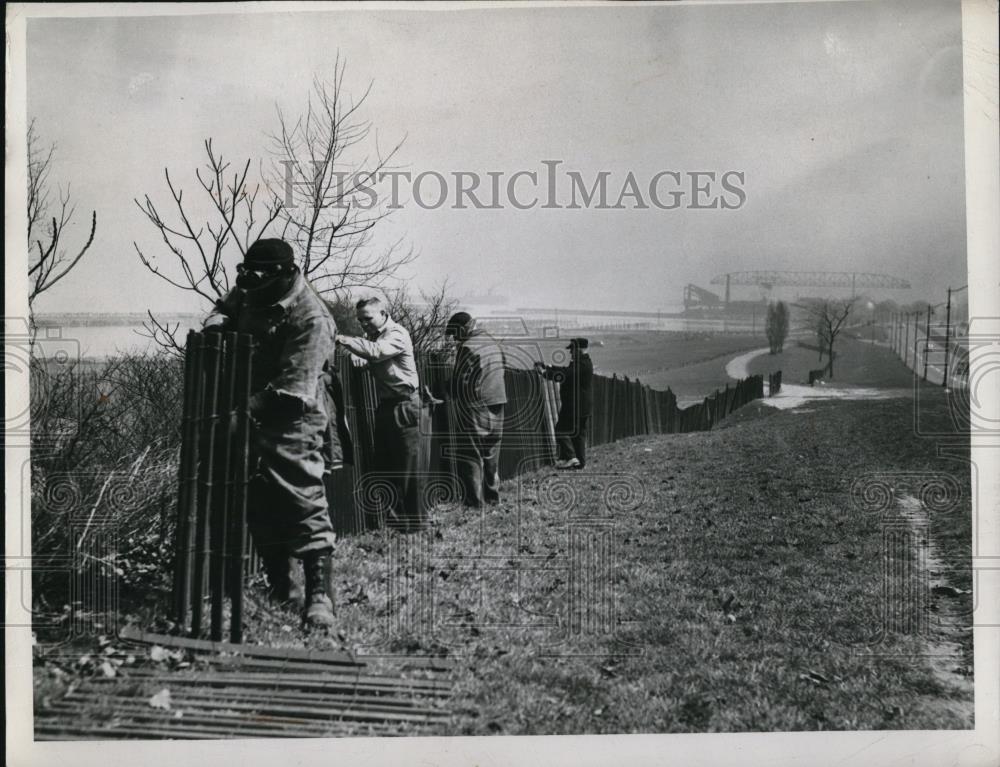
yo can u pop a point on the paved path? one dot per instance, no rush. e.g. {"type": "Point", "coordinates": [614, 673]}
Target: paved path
{"type": "Point", "coordinates": [793, 395]}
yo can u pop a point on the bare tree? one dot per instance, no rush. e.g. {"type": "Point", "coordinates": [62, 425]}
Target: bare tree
{"type": "Point", "coordinates": [776, 326]}
{"type": "Point", "coordinates": [236, 212]}
{"type": "Point", "coordinates": [49, 257]}
{"type": "Point", "coordinates": [424, 316]}
{"type": "Point", "coordinates": [828, 316]}
{"type": "Point", "coordinates": [330, 200]}
{"type": "Point", "coordinates": [315, 196]}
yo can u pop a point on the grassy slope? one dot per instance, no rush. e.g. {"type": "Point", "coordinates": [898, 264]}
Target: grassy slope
{"type": "Point", "coordinates": [745, 568]}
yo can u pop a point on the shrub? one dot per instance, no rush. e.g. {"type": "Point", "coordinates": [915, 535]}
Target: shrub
{"type": "Point", "coordinates": [105, 444]}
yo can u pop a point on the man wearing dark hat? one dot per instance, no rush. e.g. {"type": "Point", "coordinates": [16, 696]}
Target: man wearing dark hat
{"type": "Point", "coordinates": [479, 394]}
{"type": "Point", "coordinates": [294, 337]}
{"type": "Point", "coordinates": [575, 403]}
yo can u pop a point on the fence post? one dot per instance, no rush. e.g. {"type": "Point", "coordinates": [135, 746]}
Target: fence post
{"type": "Point", "coordinates": [206, 475]}
{"type": "Point", "coordinates": [221, 483]}
{"type": "Point", "coordinates": [906, 340]}
{"type": "Point", "coordinates": [927, 341]}
{"type": "Point", "coordinates": [238, 510]}
{"type": "Point", "coordinates": [947, 338]}
{"type": "Point", "coordinates": [187, 494]}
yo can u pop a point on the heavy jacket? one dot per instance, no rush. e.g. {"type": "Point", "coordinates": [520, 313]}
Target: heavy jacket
{"type": "Point", "coordinates": [479, 371]}
{"type": "Point", "coordinates": [575, 385]}
{"type": "Point", "coordinates": [293, 403]}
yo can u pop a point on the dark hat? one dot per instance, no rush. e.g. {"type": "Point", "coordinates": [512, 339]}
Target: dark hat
{"type": "Point", "coordinates": [579, 343]}
{"type": "Point", "coordinates": [456, 322]}
{"type": "Point", "coordinates": [270, 252]}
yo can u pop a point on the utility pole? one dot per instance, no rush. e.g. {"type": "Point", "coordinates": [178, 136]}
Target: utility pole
{"type": "Point", "coordinates": [916, 327]}
{"type": "Point", "coordinates": [906, 341]}
{"type": "Point", "coordinates": [927, 339]}
{"type": "Point", "coordinates": [947, 334]}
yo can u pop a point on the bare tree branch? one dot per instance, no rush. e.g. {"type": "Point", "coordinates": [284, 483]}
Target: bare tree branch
{"type": "Point", "coordinates": [331, 200]}
{"type": "Point", "coordinates": [48, 262]}
{"type": "Point", "coordinates": [163, 334]}
{"type": "Point", "coordinates": [313, 196]}
{"type": "Point", "coordinates": [424, 316]}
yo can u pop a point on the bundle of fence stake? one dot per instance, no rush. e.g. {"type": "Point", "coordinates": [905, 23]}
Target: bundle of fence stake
{"type": "Point", "coordinates": [212, 548]}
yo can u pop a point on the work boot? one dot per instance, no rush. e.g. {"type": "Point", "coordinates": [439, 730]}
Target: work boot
{"type": "Point", "coordinates": [282, 587]}
{"type": "Point", "coordinates": [318, 567]}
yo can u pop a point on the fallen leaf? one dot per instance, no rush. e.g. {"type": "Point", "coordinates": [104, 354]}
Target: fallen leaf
{"type": "Point", "coordinates": [107, 669]}
{"type": "Point", "coordinates": [815, 677]}
{"type": "Point", "coordinates": [157, 654]}
{"type": "Point", "coordinates": [161, 700]}
{"type": "Point", "coordinates": [948, 591]}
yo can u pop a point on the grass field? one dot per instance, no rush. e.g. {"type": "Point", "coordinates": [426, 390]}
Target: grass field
{"type": "Point", "coordinates": [692, 365]}
{"type": "Point", "coordinates": [744, 588]}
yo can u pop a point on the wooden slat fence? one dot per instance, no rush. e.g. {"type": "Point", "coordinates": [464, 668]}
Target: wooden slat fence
{"type": "Point", "coordinates": [212, 549]}
{"type": "Point", "coordinates": [622, 408]}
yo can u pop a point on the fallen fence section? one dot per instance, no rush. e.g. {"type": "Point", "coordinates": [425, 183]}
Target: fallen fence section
{"type": "Point", "coordinates": [233, 691]}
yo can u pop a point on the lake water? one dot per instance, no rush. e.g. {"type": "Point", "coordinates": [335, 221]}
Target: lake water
{"type": "Point", "coordinates": [101, 341]}
{"type": "Point", "coordinates": [98, 341]}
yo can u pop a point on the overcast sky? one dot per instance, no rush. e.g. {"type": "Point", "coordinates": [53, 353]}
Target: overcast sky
{"type": "Point", "coordinates": [846, 119]}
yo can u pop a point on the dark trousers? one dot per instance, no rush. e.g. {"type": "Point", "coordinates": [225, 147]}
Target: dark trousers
{"type": "Point", "coordinates": [571, 436]}
{"type": "Point", "coordinates": [287, 511]}
{"type": "Point", "coordinates": [479, 429]}
{"type": "Point", "coordinates": [399, 458]}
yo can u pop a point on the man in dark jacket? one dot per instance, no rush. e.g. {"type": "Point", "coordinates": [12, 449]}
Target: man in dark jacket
{"type": "Point", "coordinates": [479, 395]}
{"type": "Point", "coordinates": [575, 404]}
{"type": "Point", "coordinates": [294, 336]}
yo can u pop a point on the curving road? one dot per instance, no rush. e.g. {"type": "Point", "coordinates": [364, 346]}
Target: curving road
{"type": "Point", "coordinates": [793, 395]}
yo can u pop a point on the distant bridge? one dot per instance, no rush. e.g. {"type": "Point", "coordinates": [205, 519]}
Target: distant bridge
{"type": "Point", "coordinates": [852, 280]}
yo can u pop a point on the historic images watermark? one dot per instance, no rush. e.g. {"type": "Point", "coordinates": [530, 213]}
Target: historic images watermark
{"type": "Point", "coordinates": [549, 187]}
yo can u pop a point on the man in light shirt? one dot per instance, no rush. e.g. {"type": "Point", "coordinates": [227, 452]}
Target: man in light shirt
{"type": "Point", "coordinates": [400, 418]}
